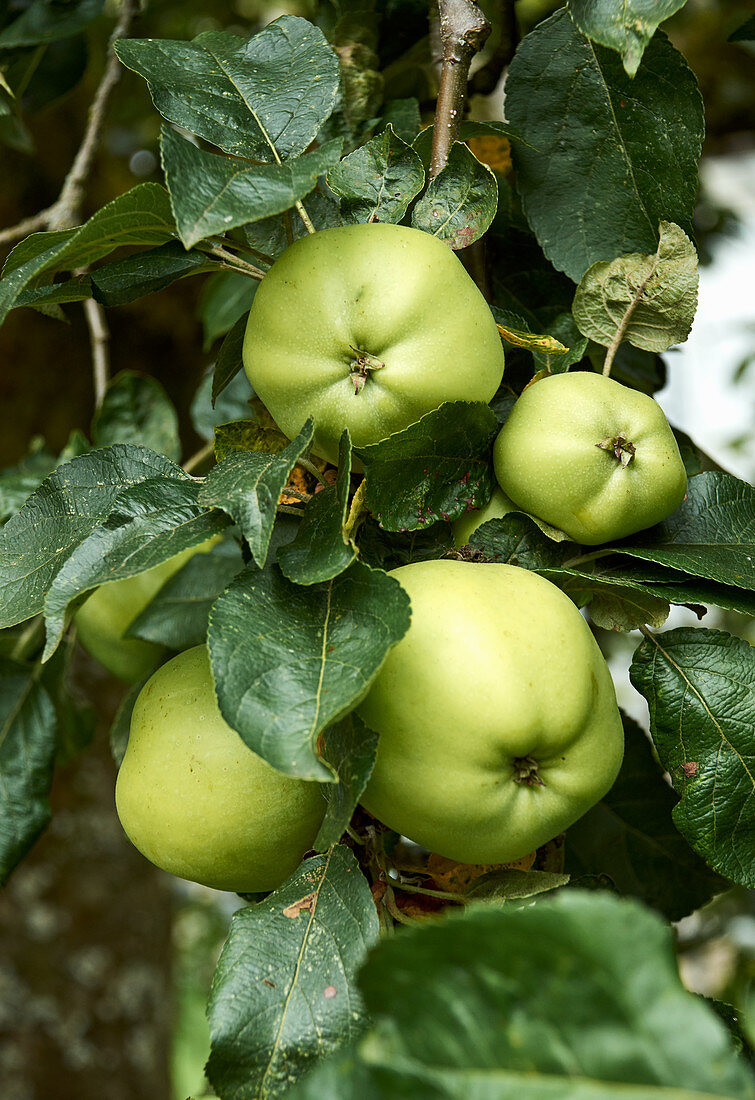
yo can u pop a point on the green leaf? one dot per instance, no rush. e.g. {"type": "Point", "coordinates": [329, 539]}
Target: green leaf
{"type": "Point", "coordinates": [700, 687]}
{"type": "Point", "coordinates": [177, 616]}
{"type": "Point", "coordinates": [626, 27]}
{"type": "Point", "coordinates": [389, 549]}
{"type": "Point", "coordinates": [141, 216]}
{"type": "Point", "coordinates": [233, 404]}
{"type": "Point", "coordinates": [212, 194]}
{"type": "Point", "coordinates": [284, 995]}
{"type": "Point", "coordinates": [149, 523]}
{"type": "Point", "coordinates": [460, 203]}
{"type": "Point", "coordinates": [272, 236]}
{"type": "Point", "coordinates": [227, 89]}
{"type": "Point", "coordinates": [321, 550]}
{"type": "Point", "coordinates": [350, 748]}
{"type": "Point", "coordinates": [289, 661]}
{"type": "Point", "coordinates": [745, 33]}
{"type": "Point", "coordinates": [121, 727]}
{"type": "Point", "coordinates": [609, 157]}
{"type": "Point", "coordinates": [630, 839]}
{"type": "Point", "coordinates": [515, 540]}
{"type": "Point", "coordinates": [28, 732]}
{"type": "Point", "coordinates": [135, 276]}
{"type": "Point", "coordinates": [77, 289]}
{"type": "Point", "coordinates": [226, 297]}
{"type": "Point", "coordinates": [403, 115]}
{"type": "Point", "coordinates": [66, 508]}
{"type": "Point", "coordinates": [711, 534]}
{"type": "Point", "coordinates": [651, 300]}
{"type": "Point", "coordinates": [248, 484]}
{"type": "Point", "coordinates": [435, 469]}
{"type": "Point", "coordinates": [18, 482]}
{"type": "Point", "coordinates": [229, 361]}
{"type": "Point", "coordinates": [46, 21]}
{"type": "Point", "coordinates": [136, 409]}
{"type": "Point", "coordinates": [377, 181]}
{"type": "Point", "coordinates": [576, 996]}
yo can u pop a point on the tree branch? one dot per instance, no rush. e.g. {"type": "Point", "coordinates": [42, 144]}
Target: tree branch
{"type": "Point", "coordinates": [463, 31]}
{"type": "Point", "coordinates": [99, 336]}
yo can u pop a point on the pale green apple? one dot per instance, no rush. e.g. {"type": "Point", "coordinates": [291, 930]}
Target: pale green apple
{"type": "Point", "coordinates": [368, 327]}
{"type": "Point", "coordinates": [465, 526]}
{"type": "Point", "coordinates": [591, 457]}
{"type": "Point", "coordinates": [496, 712]}
{"type": "Point", "coordinates": [196, 801]}
{"type": "Point", "coordinates": [103, 620]}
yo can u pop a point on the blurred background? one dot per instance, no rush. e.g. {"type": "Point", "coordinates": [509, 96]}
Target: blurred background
{"type": "Point", "coordinates": [105, 963]}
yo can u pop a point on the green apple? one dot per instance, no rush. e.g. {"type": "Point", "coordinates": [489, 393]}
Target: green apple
{"type": "Point", "coordinates": [196, 801]}
{"type": "Point", "coordinates": [591, 457]}
{"type": "Point", "coordinates": [496, 712]}
{"type": "Point", "coordinates": [368, 327]}
{"type": "Point", "coordinates": [103, 620]}
{"type": "Point", "coordinates": [499, 505]}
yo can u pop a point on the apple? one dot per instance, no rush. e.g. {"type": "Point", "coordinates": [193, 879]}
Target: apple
{"type": "Point", "coordinates": [465, 526]}
{"type": "Point", "coordinates": [368, 327]}
{"type": "Point", "coordinates": [496, 713]}
{"type": "Point", "coordinates": [591, 457]}
{"type": "Point", "coordinates": [196, 801]}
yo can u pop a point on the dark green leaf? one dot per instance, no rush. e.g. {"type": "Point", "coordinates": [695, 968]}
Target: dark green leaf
{"type": "Point", "coordinates": [404, 116]}
{"type": "Point", "coordinates": [700, 688]}
{"type": "Point", "coordinates": [711, 535]}
{"type": "Point", "coordinates": [65, 509]}
{"type": "Point", "coordinates": [626, 28]}
{"type": "Point", "coordinates": [248, 484]}
{"type": "Point", "coordinates": [630, 838]}
{"type": "Point", "coordinates": [389, 549]}
{"type": "Point", "coordinates": [576, 996]}
{"type": "Point", "coordinates": [177, 616]}
{"type": "Point", "coordinates": [377, 181]}
{"type": "Point", "coordinates": [17, 483]}
{"type": "Point", "coordinates": [350, 748]}
{"type": "Point", "coordinates": [320, 550]}
{"type": "Point", "coordinates": [586, 119]}
{"type": "Point", "coordinates": [149, 523]}
{"type": "Point", "coordinates": [284, 995]}
{"type": "Point", "coordinates": [212, 194]}
{"type": "Point", "coordinates": [234, 404]}
{"type": "Point", "coordinates": [77, 289]}
{"type": "Point", "coordinates": [745, 33]}
{"type": "Point", "coordinates": [27, 755]}
{"type": "Point", "coordinates": [226, 297]}
{"type": "Point", "coordinates": [131, 278]}
{"type": "Point", "coordinates": [289, 661]}
{"type": "Point", "coordinates": [460, 203]}
{"type": "Point", "coordinates": [142, 216]}
{"type": "Point", "coordinates": [121, 726]}
{"type": "Point", "coordinates": [46, 21]}
{"type": "Point", "coordinates": [136, 409]}
{"type": "Point", "coordinates": [228, 89]}
{"type": "Point", "coordinates": [435, 469]}
{"type": "Point", "coordinates": [272, 236]}
{"type": "Point", "coordinates": [229, 362]}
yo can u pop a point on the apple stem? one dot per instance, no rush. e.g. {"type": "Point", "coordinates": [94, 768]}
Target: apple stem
{"type": "Point", "coordinates": [622, 450]}
{"type": "Point", "coordinates": [525, 771]}
{"type": "Point", "coordinates": [360, 367]}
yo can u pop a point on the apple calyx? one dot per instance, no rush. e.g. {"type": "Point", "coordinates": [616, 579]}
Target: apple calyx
{"type": "Point", "coordinates": [360, 367]}
{"type": "Point", "coordinates": [622, 450]}
{"type": "Point", "coordinates": [525, 771]}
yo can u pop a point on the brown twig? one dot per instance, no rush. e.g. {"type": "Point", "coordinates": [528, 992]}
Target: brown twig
{"type": "Point", "coordinates": [463, 32]}
{"type": "Point", "coordinates": [99, 336]}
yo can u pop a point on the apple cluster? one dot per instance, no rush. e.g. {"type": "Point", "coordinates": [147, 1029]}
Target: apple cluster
{"type": "Point", "coordinates": [496, 713]}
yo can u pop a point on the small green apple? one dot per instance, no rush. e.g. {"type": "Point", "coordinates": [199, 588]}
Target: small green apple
{"type": "Point", "coordinates": [103, 620]}
{"type": "Point", "coordinates": [591, 457]}
{"type": "Point", "coordinates": [368, 327]}
{"type": "Point", "coordinates": [465, 526]}
{"type": "Point", "coordinates": [496, 713]}
{"type": "Point", "coordinates": [196, 801]}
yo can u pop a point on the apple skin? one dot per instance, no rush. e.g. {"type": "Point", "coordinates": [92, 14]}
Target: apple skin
{"type": "Point", "coordinates": [548, 458]}
{"type": "Point", "coordinates": [497, 666]}
{"type": "Point", "coordinates": [465, 526]}
{"type": "Point", "coordinates": [196, 801]}
{"type": "Point", "coordinates": [396, 293]}
{"type": "Point", "coordinates": [102, 621]}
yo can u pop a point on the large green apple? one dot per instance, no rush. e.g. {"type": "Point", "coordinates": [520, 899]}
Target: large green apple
{"type": "Point", "coordinates": [496, 712]}
{"type": "Point", "coordinates": [196, 801]}
{"type": "Point", "coordinates": [590, 456]}
{"type": "Point", "coordinates": [103, 620]}
{"type": "Point", "coordinates": [368, 327]}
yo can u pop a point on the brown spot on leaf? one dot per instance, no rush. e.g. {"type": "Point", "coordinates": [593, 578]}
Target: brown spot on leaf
{"type": "Point", "coordinates": [329, 992]}
{"type": "Point", "coordinates": [303, 905]}
{"type": "Point", "coordinates": [690, 768]}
